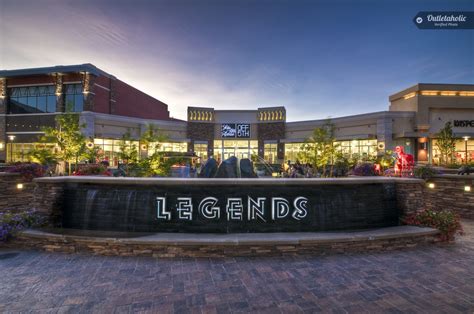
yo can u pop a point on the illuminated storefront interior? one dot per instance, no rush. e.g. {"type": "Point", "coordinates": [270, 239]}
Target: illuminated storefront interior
{"type": "Point", "coordinates": [360, 149]}
{"type": "Point", "coordinates": [464, 147]}
{"type": "Point", "coordinates": [224, 149]}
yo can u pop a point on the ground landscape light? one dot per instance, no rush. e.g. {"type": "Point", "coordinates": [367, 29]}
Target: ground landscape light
{"type": "Point", "coordinates": [19, 186]}
{"type": "Point", "coordinates": [431, 185]}
{"type": "Point", "coordinates": [467, 188]}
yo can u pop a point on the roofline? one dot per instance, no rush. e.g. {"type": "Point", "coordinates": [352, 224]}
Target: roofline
{"type": "Point", "coordinates": [430, 86]}
{"type": "Point", "coordinates": [377, 114]}
{"type": "Point", "coordinates": [86, 67]}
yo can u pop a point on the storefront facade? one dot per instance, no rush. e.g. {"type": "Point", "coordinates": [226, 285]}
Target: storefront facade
{"type": "Point", "coordinates": [109, 108]}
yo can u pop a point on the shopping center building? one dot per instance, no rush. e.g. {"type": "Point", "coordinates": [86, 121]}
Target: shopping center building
{"type": "Point", "coordinates": [31, 98]}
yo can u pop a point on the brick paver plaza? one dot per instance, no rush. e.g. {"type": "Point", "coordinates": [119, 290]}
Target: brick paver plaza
{"type": "Point", "coordinates": [429, 279]}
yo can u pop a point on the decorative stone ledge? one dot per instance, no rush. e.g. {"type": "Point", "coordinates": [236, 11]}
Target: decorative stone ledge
{"type": "Point", "coordinates": [220, 245]}
{"type": "Point", "coordinates": [233, 181]}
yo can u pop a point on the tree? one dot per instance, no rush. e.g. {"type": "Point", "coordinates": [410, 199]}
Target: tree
{"type": "Point", "coordinates": [128, 153]}
{"type": "Point", "coordinates": [156, 163]}
{"type": "Point", "coordinates": [43, 155]}
{"type": "Point", "coordinates": [92, 153]}
{"type": "Point", "coordinates": [320, 149]}
{"type": "Point", "coordinates": [68, 137]}
{"type": "Point", "coordinates": [446, 143]}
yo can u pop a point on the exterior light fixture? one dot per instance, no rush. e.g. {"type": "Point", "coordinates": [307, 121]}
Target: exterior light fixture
{"type": "Point", "coordinates": [431, 185]}
{"type": "Point", "coordinates": [11, 137]}
{"type": "Point", "coordinates": [274, 174]}
{"type": "Point", "coordinates": [19, 186]}
{"type": "Point", "coordinates": [467, 188]}
{"type": "Point", "coordinates": [90, 144]}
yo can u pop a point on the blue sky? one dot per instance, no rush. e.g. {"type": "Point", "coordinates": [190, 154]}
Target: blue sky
{"type": "Point", "coordinates": [316, 58]}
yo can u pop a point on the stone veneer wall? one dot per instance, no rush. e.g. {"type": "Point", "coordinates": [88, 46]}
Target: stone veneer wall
{"type": "Point", "coordinates": [12, 198]}
{"type": "Point", "coordinates": [410, 197]}
{"type": "Point", "coordinates": [449, 193]}
{"type": "Point", "coordinates": [124, 247]}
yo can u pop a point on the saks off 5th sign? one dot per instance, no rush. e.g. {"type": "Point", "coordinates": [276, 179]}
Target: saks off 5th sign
{"type": "Point", "coordinates": [235, 209]}
{"type": "Point", "coordinates": [232, 130]}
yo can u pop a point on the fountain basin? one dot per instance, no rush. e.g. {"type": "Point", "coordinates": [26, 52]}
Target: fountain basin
{"type": "Point", "coordinates": [221, 205]}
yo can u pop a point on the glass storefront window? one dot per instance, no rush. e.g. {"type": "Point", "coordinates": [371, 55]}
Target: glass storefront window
{"type": "Point", "coordinates": [201, 151]}
{"type": "Point", "coordinates": [20, 151]}
{"type": "Point", "coordinates": [360, 149]}
{"type": "Point", "coordinates": [463, 149]}
{"type": "Point", "coordinates": [73, 98]}
{"type": "Point", "coordinates": [32, 99]}
{"type": "Point", "coordinates": [223, 149]}
{"type": "Point", "coordinates": [291, 151]}
{"type": "Point", "coordinates": [270, 152]}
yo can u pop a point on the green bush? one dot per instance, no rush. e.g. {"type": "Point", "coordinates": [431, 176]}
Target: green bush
{"type": "Point", "coordinates": [446, 221]}
{"type": "Point", "coordinates": [425, 172]}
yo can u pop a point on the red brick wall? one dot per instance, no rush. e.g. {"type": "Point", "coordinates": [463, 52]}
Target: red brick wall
{"type": "Point", "coordinates": [134, 103]}
{"type": "Point", "coordinates": [101, 98]}
{"type": "Point", "coordinates": [129, 101]}
{"type": "Point", "coordinates": [43, 79]}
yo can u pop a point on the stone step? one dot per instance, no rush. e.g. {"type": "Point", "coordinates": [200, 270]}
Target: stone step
{"type": "Point", "coordinates": [227, 245]}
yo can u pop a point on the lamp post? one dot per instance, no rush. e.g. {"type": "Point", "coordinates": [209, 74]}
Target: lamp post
{"type": "Point", "coordinates": [11, 138]}
{"type": "Point", "coordinates": [466, 138]}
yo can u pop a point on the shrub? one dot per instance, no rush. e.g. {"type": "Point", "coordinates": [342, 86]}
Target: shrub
{"type": "Point", "coordinates": [92, 170]}
{"type": "Point", "coordinates": [28, 171]}
{"type": "Point", "coordinates": [425, 172]}
{"type": "Point", "coordinates": [364, 169]}
{"type": "Point", "coordinates": [13, 222]}
{"type": "Point", "coordinates": [446, 221]}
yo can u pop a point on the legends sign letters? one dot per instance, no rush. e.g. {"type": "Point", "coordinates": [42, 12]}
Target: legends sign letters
{"type": "Point", "coordinates": [235, 208]}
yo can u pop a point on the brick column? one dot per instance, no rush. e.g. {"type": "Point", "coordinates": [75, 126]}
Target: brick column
{"type": "Point", "coordinates": [112, 96]}
{"type": "Point", "coordinates": [60, 106]}
{"type": "Point", "coordinates": [281, 152]}
{"type": "Point", "coordinates": [88, 86]}
{"type": "Point", "coordinates": [3, 96]}
{"type": "Point", "coordinates": [261, 148]}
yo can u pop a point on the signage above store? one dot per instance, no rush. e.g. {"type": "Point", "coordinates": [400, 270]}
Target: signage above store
{"type": "Point", "coordinates": [464, 123]}
{"type": "Point", "coordinates": [232, 130]}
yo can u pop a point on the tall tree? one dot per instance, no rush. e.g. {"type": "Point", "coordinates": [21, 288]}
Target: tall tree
{"type": "Point", "coordinates": [68, 138]}
{"type": "Point", "coordinates": [320, 148]}
{"type": "Point", "coordinates": [446, 143]}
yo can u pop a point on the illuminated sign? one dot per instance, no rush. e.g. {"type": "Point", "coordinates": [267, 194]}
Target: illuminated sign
{"type": "Point", "coordinates": [464, 123]}
{"type": "Point", "coordinates": [236, 208]}
{"type": "Point", "coordinates": [228, 130]}
{"type": "Point", "coordinates": [232, 130]}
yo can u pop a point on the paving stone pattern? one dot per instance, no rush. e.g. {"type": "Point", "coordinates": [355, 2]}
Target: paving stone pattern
{"type": "Point", "coordinates": [431, 279]}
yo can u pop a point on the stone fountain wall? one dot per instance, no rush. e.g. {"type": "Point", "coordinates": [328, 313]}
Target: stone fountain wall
{"type": "Point", "coordinates": [175, 205]}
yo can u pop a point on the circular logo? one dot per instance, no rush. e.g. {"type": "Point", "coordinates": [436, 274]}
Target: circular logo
{"type": "Point", "coordinates": [419, 20]}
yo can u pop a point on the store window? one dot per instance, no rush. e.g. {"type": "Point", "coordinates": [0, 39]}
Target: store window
{"type": "Point", "coordinates": [73, 98]}
{"type": "Point", "coordinates": [110, 149]}
{"type": "Point", "coordinates": [21, 151]}
{"type": "Point", "coordinates": [464, 152]}
{"type": "Point", "coordinates": [270, 152]}
{"type": "Point", "coordinates": [224, 149]}
{"type": "Point", "coordinates": [32, 99]}
{"type": "Point", "coordinates": [358, 149]}
{"type": "Point", "coordinates": [201, 151]}
{"type": "Point", "coordinates": [291, 151]}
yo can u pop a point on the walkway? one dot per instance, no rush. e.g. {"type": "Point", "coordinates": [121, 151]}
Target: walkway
{"type": "Point", "coordinates": [431, 279]}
